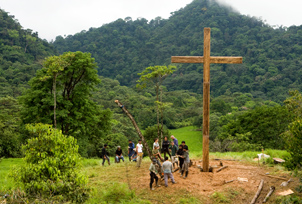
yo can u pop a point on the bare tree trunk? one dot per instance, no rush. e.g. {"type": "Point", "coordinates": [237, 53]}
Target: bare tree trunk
{"type": "Point", "coordinates": [157, 113]}
{"type": "Point", "coordinates": [161, 113]}
{"type": "Point", "coordinates": [55, 100]}
{"type": "Point", "coordinates": [135, 126]}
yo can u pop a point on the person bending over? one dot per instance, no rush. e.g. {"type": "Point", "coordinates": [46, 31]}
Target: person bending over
{"type": "Point", "coordinates": [153, 171]}
{"type": "Point", "coordinates": [185, 166]}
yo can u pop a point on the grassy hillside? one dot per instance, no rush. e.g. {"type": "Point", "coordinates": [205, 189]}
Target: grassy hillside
{"type": "Point", "coordinates": [191, 136]}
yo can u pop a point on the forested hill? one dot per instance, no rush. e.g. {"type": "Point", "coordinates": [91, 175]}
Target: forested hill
{"type": "Point", "coordinates": [20, 53]}
{"type": "Point", "coordinates": [272, 57]}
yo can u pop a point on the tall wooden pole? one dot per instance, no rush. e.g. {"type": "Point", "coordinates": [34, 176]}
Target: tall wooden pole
{"type": "Point", "coordinates": [206, 98]}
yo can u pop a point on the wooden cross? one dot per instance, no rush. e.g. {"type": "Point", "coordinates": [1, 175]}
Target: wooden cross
{"type": "Point", "coordinates": [206, 60]}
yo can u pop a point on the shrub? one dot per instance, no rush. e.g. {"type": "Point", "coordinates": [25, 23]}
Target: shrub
{"type": "Point", "coordinates": [51, 166]}
{"type": "Point", "coordinates": [293, 140]}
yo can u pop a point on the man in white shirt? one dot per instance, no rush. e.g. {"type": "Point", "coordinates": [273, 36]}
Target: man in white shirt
{"type": "Point", "coordinates": [139, 151]}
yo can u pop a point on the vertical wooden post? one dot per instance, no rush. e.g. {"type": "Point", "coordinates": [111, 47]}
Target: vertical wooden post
{"type": "Point", "coordinates": [206, 98]}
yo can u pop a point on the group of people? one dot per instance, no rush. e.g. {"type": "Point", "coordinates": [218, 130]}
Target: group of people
{"type": "Point", "coordinates": [179, 156]}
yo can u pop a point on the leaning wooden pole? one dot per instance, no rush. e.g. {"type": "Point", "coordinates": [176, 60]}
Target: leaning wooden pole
{"type": "Point", "coordinates": [258, 192]}
{"type": "Point", "coordinates": [135, 126]}
{"type": "Point", "coordinates": [206, 99]}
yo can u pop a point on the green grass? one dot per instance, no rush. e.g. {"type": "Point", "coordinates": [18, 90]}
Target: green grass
{"type": "Point", "coordinates": [192, 137]}
{"type": "Point", "coordinates": [6, 182]}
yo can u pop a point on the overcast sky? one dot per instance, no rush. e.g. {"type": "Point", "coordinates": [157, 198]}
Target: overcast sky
{"type": "Point", "coordinates": [51, 18]}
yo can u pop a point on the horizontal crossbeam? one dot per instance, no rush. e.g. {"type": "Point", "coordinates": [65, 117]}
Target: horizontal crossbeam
{"type": "Point", "coordinates": [213, 60]}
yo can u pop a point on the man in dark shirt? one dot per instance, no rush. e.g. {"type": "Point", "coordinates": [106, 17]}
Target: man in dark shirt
{"type": "Point", "coordinates": [181, 160]}
{"type": "Point", "coordinates": [130, 149]}
{"type": "Point", "coordinates": [105, 155]}
{"type": "Point", "coordinates": [119, 154]}
{"type": "Point", "coordinates": [165, 147]}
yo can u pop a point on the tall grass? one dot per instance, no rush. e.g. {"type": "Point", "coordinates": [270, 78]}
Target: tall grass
{"type": "Point", "coordinates": [6, 182]}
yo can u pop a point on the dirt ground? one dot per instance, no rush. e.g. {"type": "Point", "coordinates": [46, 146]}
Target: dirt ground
{"type": "Point", "coordinates": [203, 185]}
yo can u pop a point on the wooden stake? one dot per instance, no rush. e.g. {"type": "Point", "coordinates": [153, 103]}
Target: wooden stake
{"type": "Point", "coordinates": [272, 188]}
{"type": "Point", "coordinates": [258, 192]}
{"type": "Point", "coordinates": [224, 167]}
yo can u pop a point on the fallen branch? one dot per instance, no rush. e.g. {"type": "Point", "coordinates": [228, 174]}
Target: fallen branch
{"type": "Point", "coordinates": [272, 188]}
{"type": "Point", "coordinates": [224, 167]}
{"type": "Point", "coordinates": [276, 177]}
{"type": "Point", "coordinates": [226, 159]}
{"type": "Point", "coordinates": [225, 182]}
{"type": "Point", "coordinates": [258, 192]}
{"type": "Point", "coordinates": [135, 126]}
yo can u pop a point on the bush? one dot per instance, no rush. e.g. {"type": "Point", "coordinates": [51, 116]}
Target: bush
{"type": "Point", "coordinates": [293, 141]}
{"type": "Point", "coordinates": [151, 133]}
{"type": "Point", "coordinates": [238, 143]}
{"type": "Point", "coordinates": [51, 167]}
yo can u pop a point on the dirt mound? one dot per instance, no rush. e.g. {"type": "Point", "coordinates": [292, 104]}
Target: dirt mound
{"type": "Point", "coordinates": [239, 179]}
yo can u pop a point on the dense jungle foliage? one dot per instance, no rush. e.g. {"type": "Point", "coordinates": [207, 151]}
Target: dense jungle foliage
{"type": "Point", "coordinates": [246, 100]}
{"type": "Point", "coordinates": [272, 57]}
{"type": "Point", "coordinates": [21, 52]}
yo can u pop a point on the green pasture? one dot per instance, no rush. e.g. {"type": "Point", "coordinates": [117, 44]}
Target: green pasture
{"type": "Point", "coordinates": [103, 180]}
{"type": "Point", "coordinates": [191, 135]}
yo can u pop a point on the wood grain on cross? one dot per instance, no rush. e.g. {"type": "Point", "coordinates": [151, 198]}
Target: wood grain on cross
{"type": "Point", "coordinates": [206, 59]}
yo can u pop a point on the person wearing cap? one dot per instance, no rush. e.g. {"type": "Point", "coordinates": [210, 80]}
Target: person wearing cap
{"type": "Point", "coordinates": [130, 149]}
{"type": "Point", "coordinates": [119, 154]}
{"type": "Point", "coordinates": [105, 155]}
{"type": "Point", "coordinates": [139, 151]}
{"type": "Point", "coordinates": [174, 140]}
{"type": "Point", "coordinates": [167, 169]}
{"type": "Point", "coordinates": [185, 166]}
{"type": "Point", "coordinates": [153, 171]}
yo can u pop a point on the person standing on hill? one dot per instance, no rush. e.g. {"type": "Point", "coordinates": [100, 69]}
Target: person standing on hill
{"type": "Point", "coordinates": [173, 148]}
{"type": "Point", "coordinates": [130, 149]}
{"type": "Point", "coordinates": [165, 147]}
{"type": "Point", "coordinates": [174, 140]}
{"type": "Point", "coordinates": [105, 155]}
{"type": "Point", "coordinates": [167, 169]}
{"type": "Point", "coordinates": [139, 151]}
{"type": "Point", "coordinates": [181, 160]}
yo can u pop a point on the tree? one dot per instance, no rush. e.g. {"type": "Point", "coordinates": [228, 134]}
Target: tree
{"type": "Point", "coordinates": [156, 75]}
{"type": "Point", "coordinates": [55, 65]}
{"type": "Point", "coordinates": [51, 169]}
{"type": "Point", "coordinates": [266, 124]}
{"type": "Point", "coordinates": [9, 127]}
{"type": "Point", "coordinates": [76, 113]}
